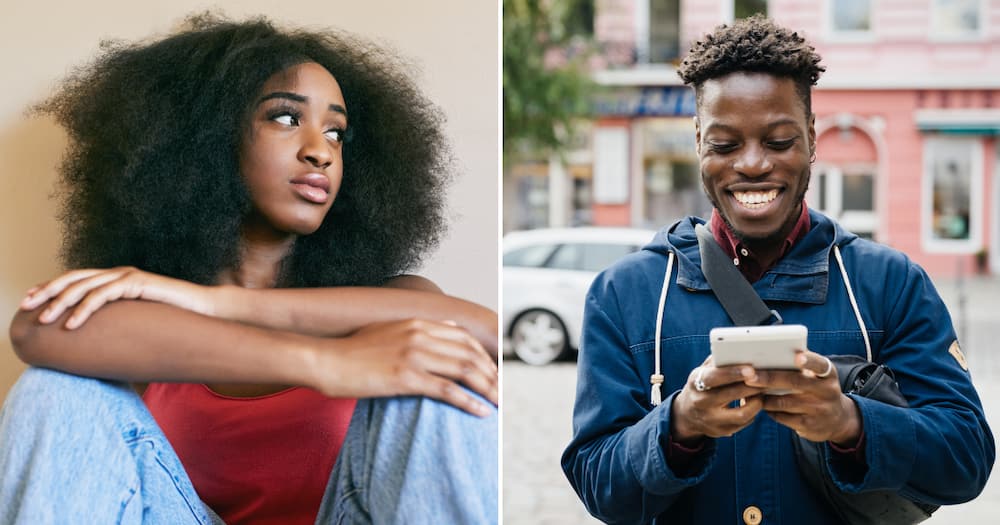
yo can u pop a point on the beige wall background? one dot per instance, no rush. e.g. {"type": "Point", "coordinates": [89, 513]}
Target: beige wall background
{"type": "Point", "coordinates": [455, 43]}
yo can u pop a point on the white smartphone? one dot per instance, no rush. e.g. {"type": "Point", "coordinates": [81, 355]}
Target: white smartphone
{"type": "Point", "coordinates": [763, 347]}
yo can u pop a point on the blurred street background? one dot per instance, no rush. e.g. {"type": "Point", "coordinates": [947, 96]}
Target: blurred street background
{"type": "Point", "coordinates": [598, 132]}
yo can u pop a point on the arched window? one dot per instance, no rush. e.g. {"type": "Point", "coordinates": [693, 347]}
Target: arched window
{"type": "Point", "coordinates": [844, 178]}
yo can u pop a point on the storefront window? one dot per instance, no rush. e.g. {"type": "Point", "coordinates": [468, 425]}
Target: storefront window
{"type": "Point", "coordinates": [952, 177]}
{"type": "Point", "coordinates": [673, 190]}
{"type": "Point", "coordinates": [583, 191]}
{"type": "Point", "coordinates": [858, 192]}
{"type": "Point", "coordinates": [847, 193]}
{"type": "Point", "coordinates": [531, 200]}
{"type": "Point", "coordinates": [671, 183]}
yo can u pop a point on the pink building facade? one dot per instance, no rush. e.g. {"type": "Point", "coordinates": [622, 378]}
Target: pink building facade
{"type": "Point", "coordinates": [907, 119]}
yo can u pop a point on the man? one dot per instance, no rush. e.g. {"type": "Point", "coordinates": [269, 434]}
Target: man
{"type": "Point", "coordinates": [718, 449]}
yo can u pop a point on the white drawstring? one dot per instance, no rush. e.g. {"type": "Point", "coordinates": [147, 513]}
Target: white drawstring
{"type": "Point", "coordinates": [854, 304]}
{"type": "Point", "coordinates": [657, 378]}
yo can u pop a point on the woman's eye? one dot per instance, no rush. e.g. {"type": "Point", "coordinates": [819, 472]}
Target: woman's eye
{"type": "Point", "coordinates": [285, 119]}
{"type": "Point", "coordinates": [781, 144]}
{"type": "Point", "coordinates": [336, 135]}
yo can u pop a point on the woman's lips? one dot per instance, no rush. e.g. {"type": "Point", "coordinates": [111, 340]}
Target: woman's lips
{"type": "Point", "coordinates": [313, 187]}
{"type": "Point", "coordinates": [311, 193]}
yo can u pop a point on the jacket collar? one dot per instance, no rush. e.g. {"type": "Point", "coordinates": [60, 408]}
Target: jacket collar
{"type": "Point", "coordinates": [802, 275]}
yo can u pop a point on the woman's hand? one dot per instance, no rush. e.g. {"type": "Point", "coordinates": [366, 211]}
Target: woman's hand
{"type": "Point", "coordinates": [411, 357]}
{"type": "Point", "coordinates": [85, 291]}
{"type": "Point", "coordinates": [815, 408]}
{"type": "Point", "coordinates": [704, 406]}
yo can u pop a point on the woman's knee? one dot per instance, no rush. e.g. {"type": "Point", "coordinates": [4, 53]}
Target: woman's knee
{"type": "Point", "coordinates": [420, 425]}
{"type": "Point", "coordinates": [419, 411]}
{"type": "Point", "coordinates": [42, 393]}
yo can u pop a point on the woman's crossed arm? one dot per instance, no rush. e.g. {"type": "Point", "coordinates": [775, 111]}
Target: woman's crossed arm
{"type": "Point", "coordinates": [352, 342]}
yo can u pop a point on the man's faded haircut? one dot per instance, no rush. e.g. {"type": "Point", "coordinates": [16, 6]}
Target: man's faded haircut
{"type": "Point", "coordinates": [758, 45]}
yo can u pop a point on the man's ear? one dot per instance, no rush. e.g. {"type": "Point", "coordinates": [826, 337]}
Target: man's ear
{"type": "Point", "coordinates": [697, 136]}
{"type": "Point", "coordinates": [812, 134]}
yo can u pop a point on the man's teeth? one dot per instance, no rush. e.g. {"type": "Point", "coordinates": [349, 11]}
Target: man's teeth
{"type": "Point", "coordinates": [755, 199]}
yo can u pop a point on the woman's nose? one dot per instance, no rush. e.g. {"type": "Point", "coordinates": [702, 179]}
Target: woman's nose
{"type": "Point", "coordinates": [316, 150]}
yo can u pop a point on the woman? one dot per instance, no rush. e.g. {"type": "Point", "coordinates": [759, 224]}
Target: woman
{"type": "Point", "coordinates": [258, 194]}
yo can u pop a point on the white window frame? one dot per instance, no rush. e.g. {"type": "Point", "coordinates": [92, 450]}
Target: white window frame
{"type": "Point", "coordinates": [978, 35]}
{"type": "Point", "coordinates": [835, 35]}
{"type": "Point", "coordinates": [956, 246]}
{"type": "Point", "coordinates": [995, 223]}
{"type": "Point", "coordinates": [611, 165]}
{"type": "Point", "coordinates": [857, 221]}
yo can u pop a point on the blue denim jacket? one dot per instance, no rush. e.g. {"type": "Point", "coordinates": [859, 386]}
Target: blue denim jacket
{"type": "Point", "coordinates": [940, 450]}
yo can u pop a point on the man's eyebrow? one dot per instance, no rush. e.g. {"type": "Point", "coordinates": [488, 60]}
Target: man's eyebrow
{"type": "Point", "coordinates": [718, 126]}
{"type": "Point", "coordinates": [336, 108]}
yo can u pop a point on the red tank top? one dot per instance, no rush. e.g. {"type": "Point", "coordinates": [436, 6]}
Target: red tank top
{"type": "Point", "coordinates": [258, 460]}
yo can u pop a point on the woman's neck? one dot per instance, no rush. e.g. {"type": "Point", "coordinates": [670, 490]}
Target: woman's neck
{"type": "Point", "coordinates": [260, 261]}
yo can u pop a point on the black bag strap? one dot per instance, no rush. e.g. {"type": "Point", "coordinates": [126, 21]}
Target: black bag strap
{"type": "Point", "coordinates": [735, 293]}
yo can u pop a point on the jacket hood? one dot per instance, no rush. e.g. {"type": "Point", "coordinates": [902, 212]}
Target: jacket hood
{"type": "Point", "coordinates": [805, 257]}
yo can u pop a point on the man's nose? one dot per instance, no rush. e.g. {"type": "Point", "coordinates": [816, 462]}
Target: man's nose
{"type": "Point", "coordinates": [753, 161]}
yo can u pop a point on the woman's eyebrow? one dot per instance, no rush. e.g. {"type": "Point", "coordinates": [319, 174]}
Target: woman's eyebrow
{"type": "Point", "coordinates": [336, 108]}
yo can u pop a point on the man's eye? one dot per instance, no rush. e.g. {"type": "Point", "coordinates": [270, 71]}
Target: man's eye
{"type": "Point", "coordinates": [336, 135]}
{"type": "Point", "coordinates": [721, 148]}
{"type": "Point", "coordinates": [781, 144]}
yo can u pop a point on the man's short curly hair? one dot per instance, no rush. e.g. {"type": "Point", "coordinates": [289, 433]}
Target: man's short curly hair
{"type": "Point", "coordinates": [755, 44]}
{"type": "Point", "coordinates": [152, 177]}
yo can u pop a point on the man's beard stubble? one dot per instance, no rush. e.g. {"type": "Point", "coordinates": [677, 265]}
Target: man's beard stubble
{"type": "Point", "coordinates": [776, 237]}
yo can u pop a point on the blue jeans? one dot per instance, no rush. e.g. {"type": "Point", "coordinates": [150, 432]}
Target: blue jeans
{"type": "Point", "coordinates": [82, 450]}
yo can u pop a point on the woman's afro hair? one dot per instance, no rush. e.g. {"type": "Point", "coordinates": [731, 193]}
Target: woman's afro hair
{"type": "Point", "coordinates": [754, 44]}
{"type": "Point", "coordinates": [152, 177]}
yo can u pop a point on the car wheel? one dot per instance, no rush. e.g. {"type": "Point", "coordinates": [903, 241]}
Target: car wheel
{"type": "Point", "coordinates": [538, 337]}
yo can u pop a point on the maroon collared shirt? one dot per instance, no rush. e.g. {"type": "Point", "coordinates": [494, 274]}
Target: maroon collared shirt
{"type": "Point", "coordinates": [742, 256]}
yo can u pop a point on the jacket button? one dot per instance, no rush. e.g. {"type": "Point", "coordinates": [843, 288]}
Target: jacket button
{"type": "Point", "coordinates": [752, 515]}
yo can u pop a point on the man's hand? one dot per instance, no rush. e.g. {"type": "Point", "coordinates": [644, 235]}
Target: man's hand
{"type": "Point", "coordinates": [815, 408]}
{"type": "Point", "coordinates": [708, 412]}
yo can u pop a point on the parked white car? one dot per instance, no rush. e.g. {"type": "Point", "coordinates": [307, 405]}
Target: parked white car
{"type": "Point", "coordinates": [546, 275]}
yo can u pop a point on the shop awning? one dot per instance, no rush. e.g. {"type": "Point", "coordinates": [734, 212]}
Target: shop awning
{"type": "Point", "coordinates": [959, 121]}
